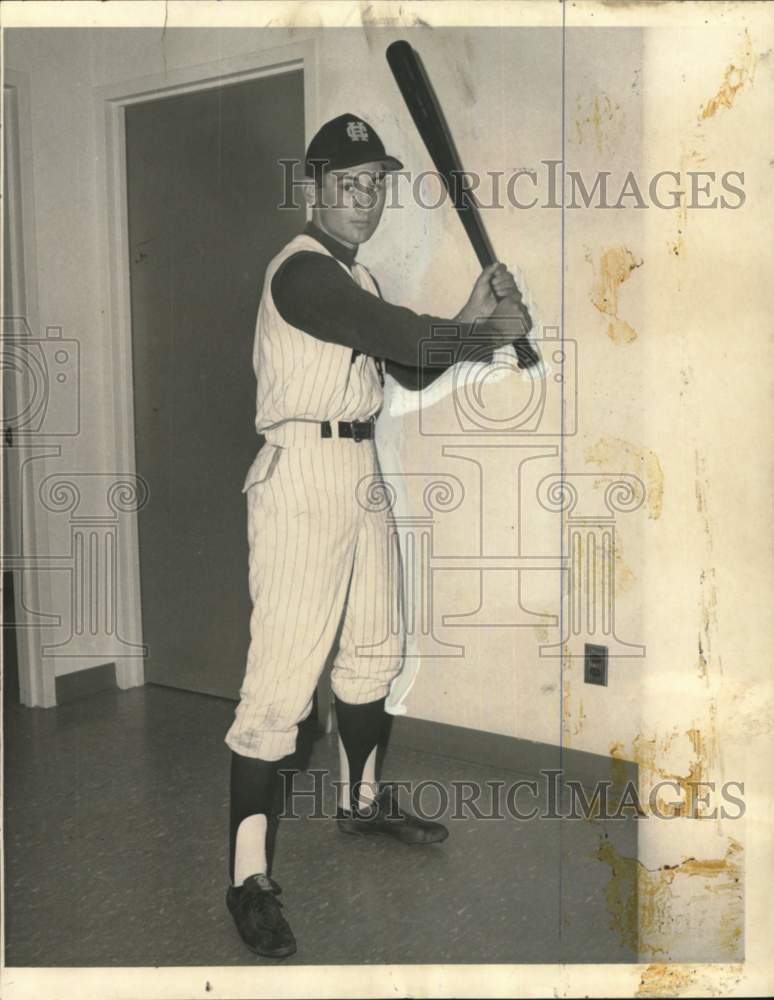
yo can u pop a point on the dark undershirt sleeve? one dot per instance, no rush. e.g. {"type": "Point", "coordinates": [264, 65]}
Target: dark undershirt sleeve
{"type": "Point", "coordinates": [313, 292]}
{"type": "Point", "coordinates": [420, 376]}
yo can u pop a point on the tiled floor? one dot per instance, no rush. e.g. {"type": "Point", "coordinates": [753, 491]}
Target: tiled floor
{"type": "Point", "coordinates": [116, 840]}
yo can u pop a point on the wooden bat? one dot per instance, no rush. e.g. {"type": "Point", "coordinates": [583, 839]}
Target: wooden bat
{"type": "Point", "coordinates": [425, 109]}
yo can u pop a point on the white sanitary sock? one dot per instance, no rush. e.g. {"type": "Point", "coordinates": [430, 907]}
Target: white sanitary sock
{"type": "Point", "coordinates": [368, 788]}
{"type": "Point", "coordinates": [250, 858]}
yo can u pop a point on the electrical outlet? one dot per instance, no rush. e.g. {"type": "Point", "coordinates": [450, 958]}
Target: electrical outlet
{"type": "Point", "coordinates": [595, 664]}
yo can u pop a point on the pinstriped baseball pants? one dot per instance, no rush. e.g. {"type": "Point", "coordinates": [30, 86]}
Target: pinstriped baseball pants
{"type": "Point", "coordinates": [321, 555]}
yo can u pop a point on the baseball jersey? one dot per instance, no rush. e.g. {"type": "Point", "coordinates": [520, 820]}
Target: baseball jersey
{"type": "Point", "coordinates": [302, 377]}
{"type": "Point", "coordinates": [343, 304]}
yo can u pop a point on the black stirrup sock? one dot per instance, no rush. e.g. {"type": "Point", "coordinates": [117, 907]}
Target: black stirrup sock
{"type": "Point", "coordinates": [253, 785]}
{"type": "Point", "coordinates": [360, 729]}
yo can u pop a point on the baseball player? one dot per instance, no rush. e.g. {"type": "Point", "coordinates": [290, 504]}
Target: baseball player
{"type": "Point", "coordinates": [318, 556]}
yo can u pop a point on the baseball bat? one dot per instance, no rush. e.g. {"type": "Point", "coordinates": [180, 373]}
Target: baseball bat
{"type": "Point", "coordinates": [425, 108]}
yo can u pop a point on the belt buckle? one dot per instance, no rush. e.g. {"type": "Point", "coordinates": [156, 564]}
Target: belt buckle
{"type": "Point", "coordinates": [357, 434]}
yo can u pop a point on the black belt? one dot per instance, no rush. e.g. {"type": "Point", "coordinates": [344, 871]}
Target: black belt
{"type": "Point", "coordinates": [358, 430]}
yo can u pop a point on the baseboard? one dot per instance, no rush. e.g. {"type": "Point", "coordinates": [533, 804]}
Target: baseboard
{"type": "Point", "coordinates": [82, 683]}
{"type": "Point", "coordinates": [527, 758]}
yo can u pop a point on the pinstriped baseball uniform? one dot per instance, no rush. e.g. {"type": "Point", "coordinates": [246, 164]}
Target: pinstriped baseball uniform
{"type": "Point", "coordinates": [300, 377]}
{"type": "Point", "coordinates": [317, 548]}
{"type": "Point", "coordinates": [321, 557]}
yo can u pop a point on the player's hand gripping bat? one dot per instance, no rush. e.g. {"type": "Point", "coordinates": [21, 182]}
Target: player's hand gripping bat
{"type": "Point", "coordinates": [426, 111]}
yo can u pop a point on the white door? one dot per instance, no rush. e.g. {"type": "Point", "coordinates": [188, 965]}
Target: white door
{"type": "Point", "coordinates": [203, 183]}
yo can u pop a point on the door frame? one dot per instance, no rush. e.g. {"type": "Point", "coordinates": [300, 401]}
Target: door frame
{"type": "Point", "coordinates": [28, 521]}
{"type": "Point", "coordinates": [110, 103]}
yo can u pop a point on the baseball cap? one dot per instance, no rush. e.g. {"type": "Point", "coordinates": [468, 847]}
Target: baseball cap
{"type": "Point", "coordinates": [345, 142]}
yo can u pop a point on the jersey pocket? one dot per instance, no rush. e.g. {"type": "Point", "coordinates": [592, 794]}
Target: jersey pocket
{"type": "Point", "coordinates": [263, 466]}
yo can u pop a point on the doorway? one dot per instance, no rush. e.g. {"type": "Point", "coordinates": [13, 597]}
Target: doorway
{"type": "Point", "coordinates": [203, 189]}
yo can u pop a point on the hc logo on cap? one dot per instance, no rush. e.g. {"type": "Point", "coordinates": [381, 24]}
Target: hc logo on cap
{"type": "Point", "coordinates": [343, 142]}
{"type": "Point", "coordinates": [357, 131]}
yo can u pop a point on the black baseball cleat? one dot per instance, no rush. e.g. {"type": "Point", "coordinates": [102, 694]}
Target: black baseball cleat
{"type": "Point", "coordinates": [385, 817]}
{"type": "Point", "coordinates": [258, 917]}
